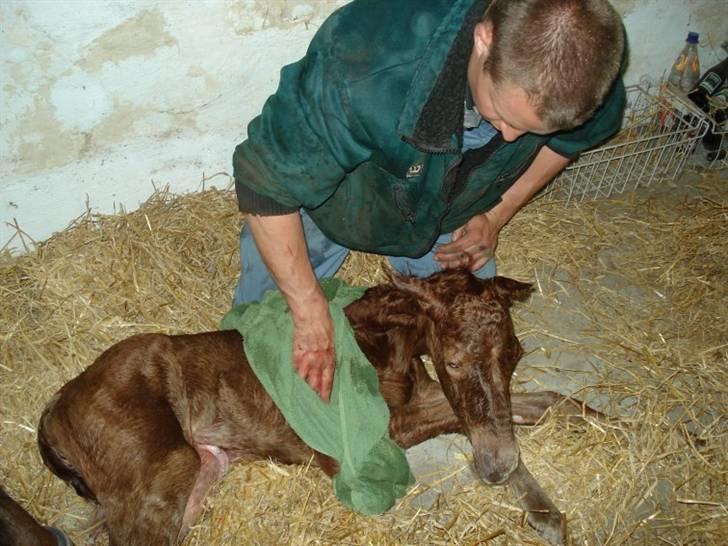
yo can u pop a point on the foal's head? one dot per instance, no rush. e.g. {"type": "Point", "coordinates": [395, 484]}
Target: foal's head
{"type": "Point", "coordinates": [474, 349]}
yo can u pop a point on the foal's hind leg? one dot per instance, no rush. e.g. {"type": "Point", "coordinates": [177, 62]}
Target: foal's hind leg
{"type": "Point", "coordinates": [528, 408]}
{"type": "Point", "coordinates": [153, 512]}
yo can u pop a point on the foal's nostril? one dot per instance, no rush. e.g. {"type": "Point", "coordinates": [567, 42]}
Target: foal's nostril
{"type": "Point", "coordinates": [495, 468]}
{"type": "Point", "coordinates": [494, 476]}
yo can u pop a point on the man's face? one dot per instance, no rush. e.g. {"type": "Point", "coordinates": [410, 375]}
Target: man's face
{"type": "Point", "coordinates": [505, 106]}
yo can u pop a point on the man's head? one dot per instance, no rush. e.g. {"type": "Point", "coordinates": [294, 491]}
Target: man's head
{"type": "Point", "coordinates": [544, 65]}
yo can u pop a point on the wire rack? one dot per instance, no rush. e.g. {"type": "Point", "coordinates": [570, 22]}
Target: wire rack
{"type": "Point", "coordinates": [659, 132]}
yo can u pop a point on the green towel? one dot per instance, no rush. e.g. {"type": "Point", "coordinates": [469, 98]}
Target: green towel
{"type": "Point", "coordinates": [353, 427]}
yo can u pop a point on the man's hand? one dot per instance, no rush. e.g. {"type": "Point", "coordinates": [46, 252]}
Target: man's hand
{"type": "Point", "coordinates": [281, 243]}
{"type": "Point", "coordinates": [472, 244]}
{"type": "Point", "coordinates": [314, 355]}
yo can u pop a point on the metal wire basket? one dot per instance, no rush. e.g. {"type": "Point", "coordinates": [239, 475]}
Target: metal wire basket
{"type": "Point", "coordinates": [659, 132]}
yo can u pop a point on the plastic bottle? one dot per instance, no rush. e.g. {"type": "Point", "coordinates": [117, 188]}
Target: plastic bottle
{"type": "Point", "coordinates": [711, 81]}
{"type": "Point", "coordinates": [685, 71]}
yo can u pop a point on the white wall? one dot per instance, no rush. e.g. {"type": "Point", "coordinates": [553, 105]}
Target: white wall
{"type": "Point", "coordinates": [101, 99]}
{"type": "Point", "coordinates": [656, 31]}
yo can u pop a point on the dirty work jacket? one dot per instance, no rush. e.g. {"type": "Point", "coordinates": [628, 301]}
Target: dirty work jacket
{"type": "Point", "coordinates": [365, 131]}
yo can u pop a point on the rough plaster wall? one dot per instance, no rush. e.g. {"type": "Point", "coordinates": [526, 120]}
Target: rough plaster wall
{"type": "Point", "coordinates": [100, 99]}
{"type": "Point", "coordinates": [656, 30]}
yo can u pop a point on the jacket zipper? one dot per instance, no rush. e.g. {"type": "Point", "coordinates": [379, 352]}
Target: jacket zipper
{"type": "Point", "coordinates": [448, 202]}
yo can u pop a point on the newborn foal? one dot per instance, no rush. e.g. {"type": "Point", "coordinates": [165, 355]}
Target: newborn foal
{"type": "Point", "coordinates": [157, 419]}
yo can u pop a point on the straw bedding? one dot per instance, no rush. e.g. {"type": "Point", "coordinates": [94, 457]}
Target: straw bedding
{"type": "Point", "coordinates": [643, 277]}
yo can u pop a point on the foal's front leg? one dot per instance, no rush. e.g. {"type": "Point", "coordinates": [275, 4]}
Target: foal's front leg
{"type": "Point", "coordinates": [427, 415]}
{"type": "Point", "coordinates": [528, 408]}
{"type": "Point", "coordinates": [542, 514]}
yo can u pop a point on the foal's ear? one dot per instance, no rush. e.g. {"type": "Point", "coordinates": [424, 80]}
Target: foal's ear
{"type": "Point", "coordinates": [426, 297]}
{"type": "Point", "coordinates": [511, 290]}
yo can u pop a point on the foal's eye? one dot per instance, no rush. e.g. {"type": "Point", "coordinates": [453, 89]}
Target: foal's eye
{"type": "Point", "coordinates": [452, 365]}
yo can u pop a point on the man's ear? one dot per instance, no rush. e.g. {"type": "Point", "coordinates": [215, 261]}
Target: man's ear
{"type": "Point", "coordinates": [483, 38]}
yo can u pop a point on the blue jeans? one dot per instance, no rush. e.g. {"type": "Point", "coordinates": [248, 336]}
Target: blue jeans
{"type": "Point", "coordinates": [326, 258]}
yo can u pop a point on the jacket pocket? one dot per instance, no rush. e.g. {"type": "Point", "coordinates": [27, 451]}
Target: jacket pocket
{"type": "Point", "coordinates": [506, 178]}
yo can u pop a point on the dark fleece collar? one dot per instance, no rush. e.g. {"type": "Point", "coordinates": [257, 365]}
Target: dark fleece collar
{"type": "Point", "coordinates": [441, 116]}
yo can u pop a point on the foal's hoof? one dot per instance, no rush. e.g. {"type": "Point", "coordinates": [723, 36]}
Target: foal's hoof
{"type": "Point", "coordinates": [61, 537]}
{"type": "Point", "coordinates": [550, 525]}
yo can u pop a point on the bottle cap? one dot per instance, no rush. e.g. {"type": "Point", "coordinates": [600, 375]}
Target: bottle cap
{"type": "Point", "coordinates": [693, 37]}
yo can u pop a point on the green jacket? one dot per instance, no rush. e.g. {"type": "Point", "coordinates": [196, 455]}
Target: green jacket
{"type": "Point", "coordinates": [365, 131]}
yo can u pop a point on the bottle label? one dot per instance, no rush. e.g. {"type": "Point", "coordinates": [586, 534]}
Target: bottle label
{"type": "Point", "coordinates": [710, 82]}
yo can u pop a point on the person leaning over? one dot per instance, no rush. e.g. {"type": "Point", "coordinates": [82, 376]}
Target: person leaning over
{"type": "Point", "coordinates": [416, 129]}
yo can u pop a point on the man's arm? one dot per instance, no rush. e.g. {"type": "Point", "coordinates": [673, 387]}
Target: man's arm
{"type": "Point", "coordinates": [282, 245]}
{"type": "Point", "coordinates": [475, 242]}
{"type": "Point", "coordinates": [544, 168]}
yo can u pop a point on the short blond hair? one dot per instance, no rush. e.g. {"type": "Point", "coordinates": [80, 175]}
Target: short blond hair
{"type": "Point", "coordinates": [565, 54]}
